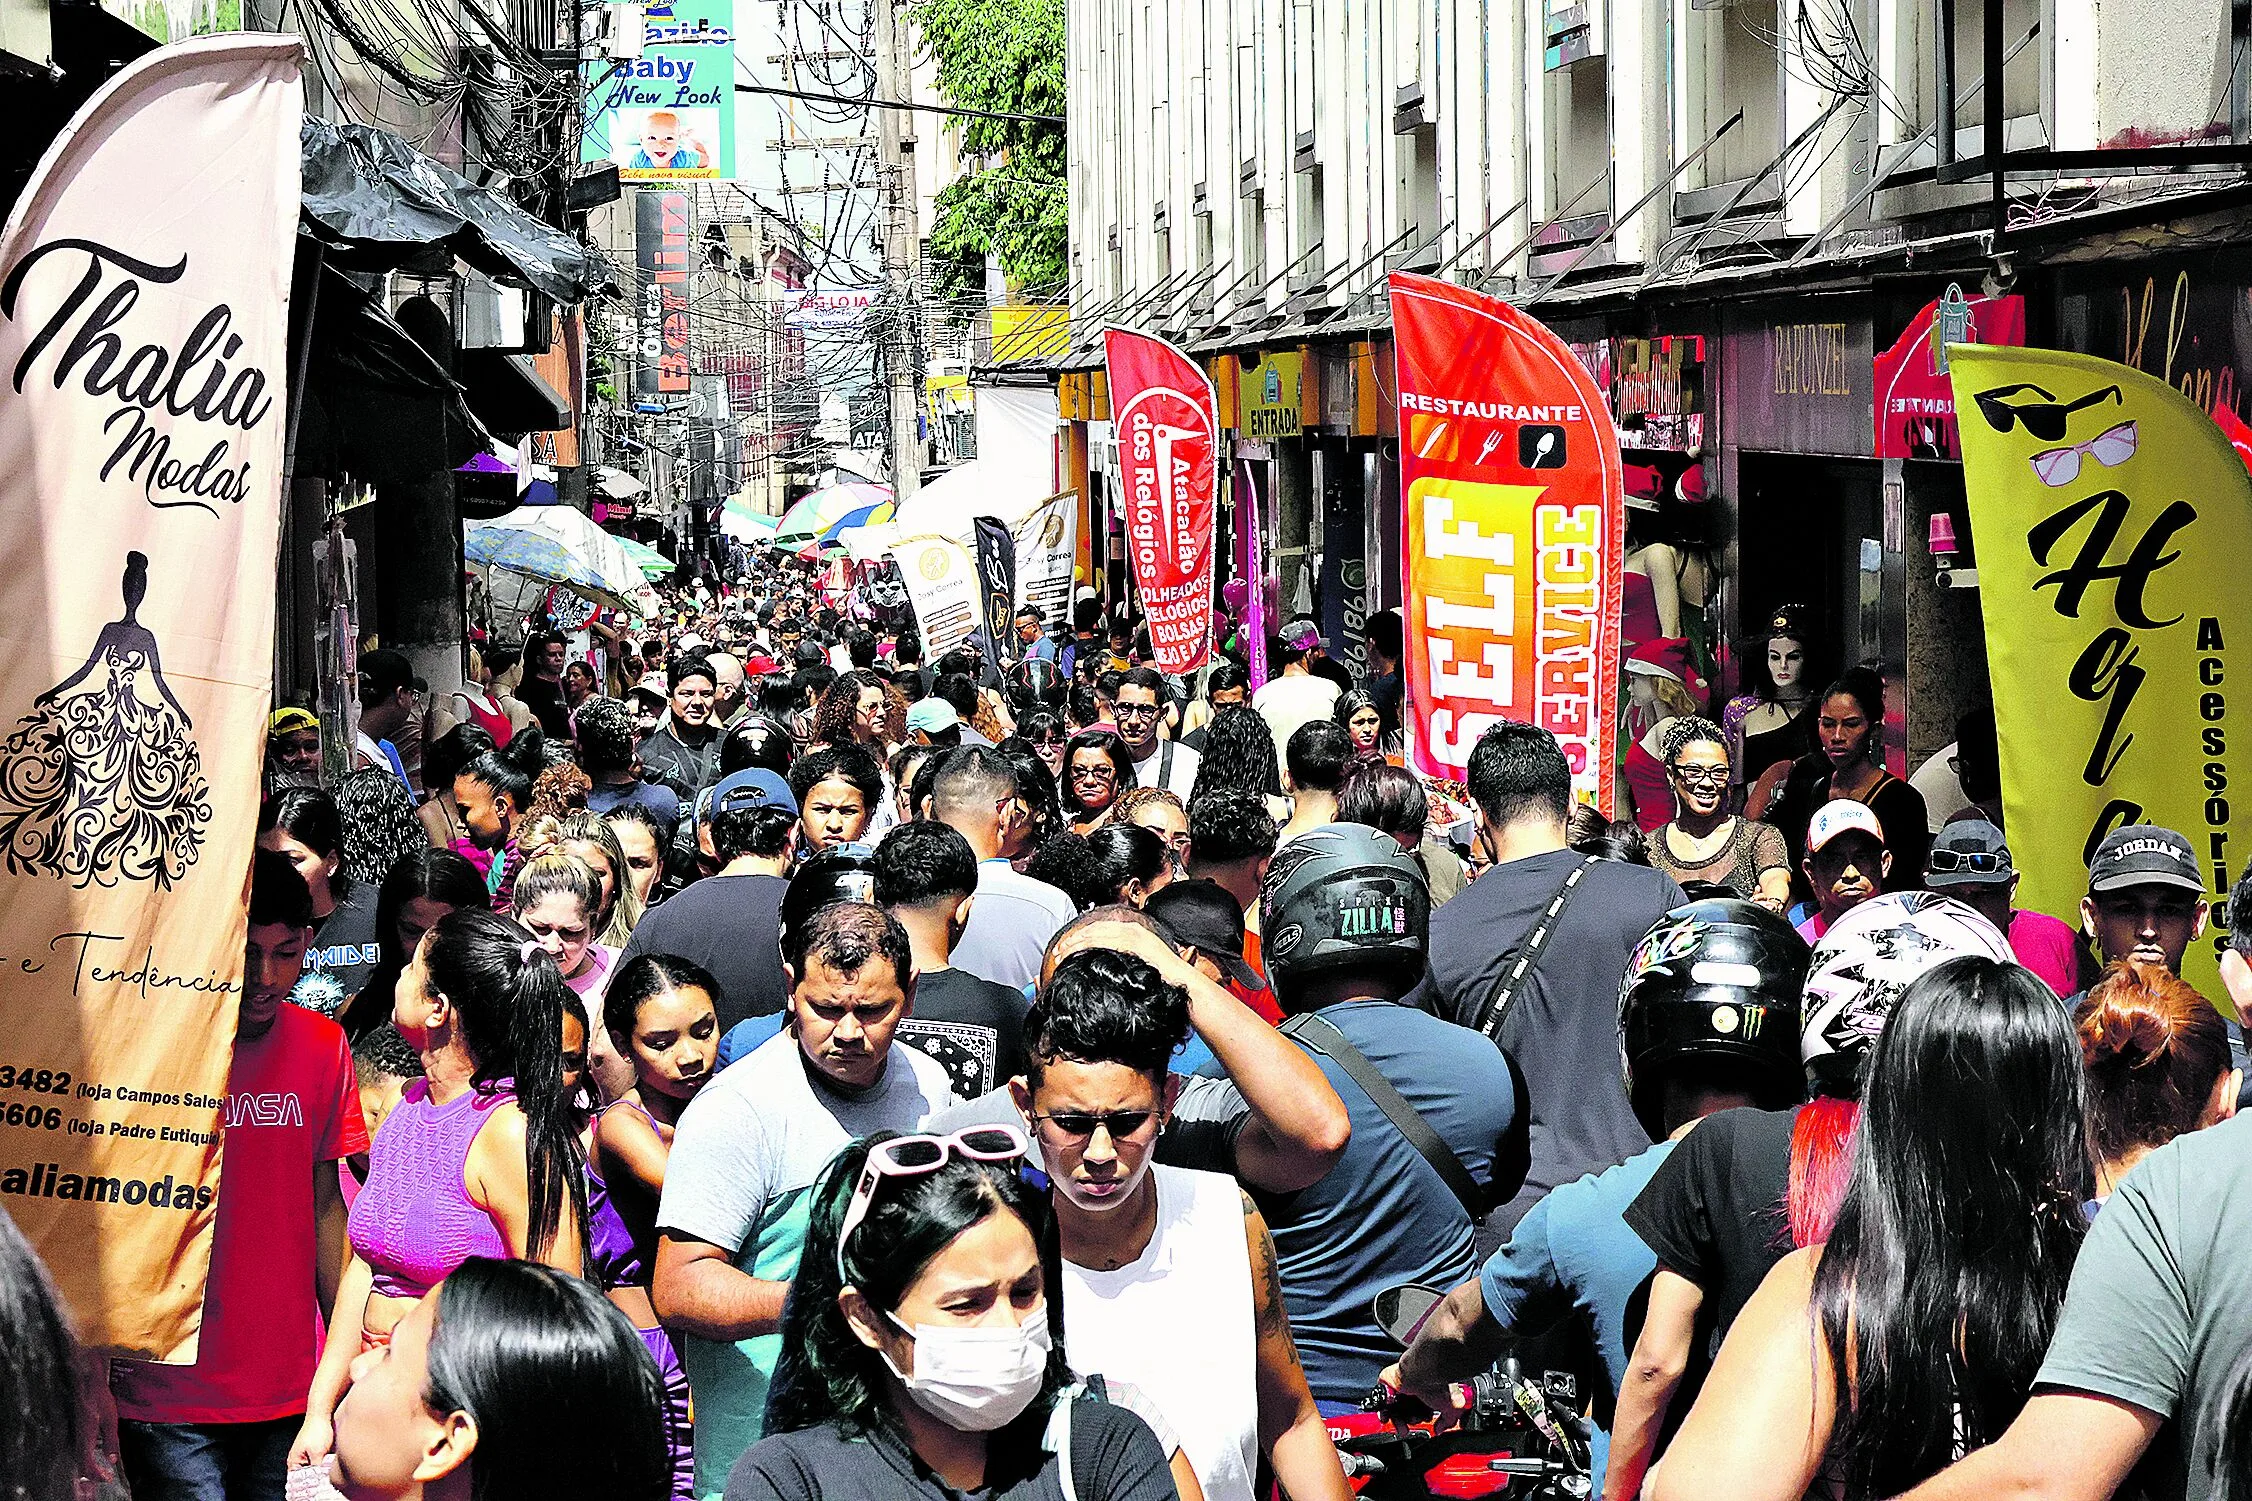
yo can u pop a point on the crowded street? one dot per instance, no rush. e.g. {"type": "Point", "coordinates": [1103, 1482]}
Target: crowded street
{"type": "Point", "coordinates": [1053, 750]}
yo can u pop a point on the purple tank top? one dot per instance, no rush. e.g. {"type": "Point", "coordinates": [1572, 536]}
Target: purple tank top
{"type": "Point", "coordinates": [621, 1236]}
{"type": "Point", "coordinates": [414, 1221]}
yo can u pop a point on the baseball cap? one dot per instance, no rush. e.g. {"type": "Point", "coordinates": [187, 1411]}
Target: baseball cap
{"type": "Point", "coordinates": [691, 643]}
{"type": "Point", "coordinates": [283, 721]}
{"type": "Point", "coordinates": [1301, 634]}
{"type": "Point", "coordinates": [759, 664]}
{"type": "Point", "coordinates": [1202, 916]}
{"type": "Point", "coordinates": [1969, 852]}
{"type": "Point", "coordinates": [2144, 854]}
{"type": "Point", "coordinates": [1836, 817]}
{"type": "Point", "coordinates": [933, 716]}
{"type": "Point", "coordinates": [752, 787]}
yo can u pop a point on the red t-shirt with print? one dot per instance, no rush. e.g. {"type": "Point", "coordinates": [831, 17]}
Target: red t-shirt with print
{"type": "Point", "coordinates": [292, 1102]}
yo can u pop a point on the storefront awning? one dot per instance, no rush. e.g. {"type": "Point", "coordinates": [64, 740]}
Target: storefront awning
{"type": "Point", "coordinates": [381, 406]}
{"type": "Point", "coordinates": [616, 484]}
{"type": "Point", "coordinates": [509, 396]}
{"type": "Point", "coordinates": [376, 202]}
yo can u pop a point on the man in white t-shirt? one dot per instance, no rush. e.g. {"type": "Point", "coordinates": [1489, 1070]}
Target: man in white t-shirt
{"type": "Point", "coordinates": [750, 1147]}
{"type": "Point", "coordinates": [1295, 696]}
{"type": "Point", "coordinates": [975, 793]}
{"type": "Point", "coordinates": [1141, 710]}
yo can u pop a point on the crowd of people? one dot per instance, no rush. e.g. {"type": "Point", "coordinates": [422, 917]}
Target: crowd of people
{"type": "Point", "coordinates": [738, 1059]}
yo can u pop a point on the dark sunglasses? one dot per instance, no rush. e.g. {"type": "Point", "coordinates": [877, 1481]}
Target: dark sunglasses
{"type": "Point", "coordinates": [1984, 862]}
{"type": "Point", "coordinates": [2044, 419]}
{"type": "Point", "coordinates": [1082, 1123]}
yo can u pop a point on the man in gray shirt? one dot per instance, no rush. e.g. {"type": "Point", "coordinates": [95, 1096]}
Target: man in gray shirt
{"type": "Point", "coordinates": [975, 793]}
{"type": "Point", "coordinates": [2158, 1317]}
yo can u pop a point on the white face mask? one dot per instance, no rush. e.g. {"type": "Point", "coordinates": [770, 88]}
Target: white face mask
{"type": "Point", "coordinates": [977, 1379]}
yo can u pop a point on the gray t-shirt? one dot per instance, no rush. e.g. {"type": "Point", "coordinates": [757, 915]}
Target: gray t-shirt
{"type": "Point", "coordinates": [1010, 924]}
{"type": "Point", "coordinates": [748, 1151]}
{"type": "Point", "coordinates": [2157, 1315]}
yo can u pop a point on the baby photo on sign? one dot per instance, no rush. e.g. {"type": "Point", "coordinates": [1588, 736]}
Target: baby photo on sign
{"type": "Point", "coordinates": [102, 781]}
{"type": "Point", "coordinates": [662, 143]}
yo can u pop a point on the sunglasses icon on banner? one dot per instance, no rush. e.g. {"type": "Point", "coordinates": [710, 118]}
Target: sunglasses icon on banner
{"type": "Point", "coordinates": [2044, 419]}
{"type": "Point", "coordinates": [2110, 448]}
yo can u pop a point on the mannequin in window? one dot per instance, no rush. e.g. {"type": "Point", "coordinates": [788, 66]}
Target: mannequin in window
{"type": "Point", "coordinates": [1773, 724]}
{"type": "Point", "coordinates": [1651, 605]}
{"type": "Point", "coordinates": [1658, 694]}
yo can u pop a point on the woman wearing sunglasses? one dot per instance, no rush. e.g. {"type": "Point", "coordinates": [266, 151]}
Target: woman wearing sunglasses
{"type": "Point", "coordinates": [922, 1354]}
{"type": "Point", "coordinates": [1096, 768]}
{"type": "Point", "coordinates": [1703, 841]}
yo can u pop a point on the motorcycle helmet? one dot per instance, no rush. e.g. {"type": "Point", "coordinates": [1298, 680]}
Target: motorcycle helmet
{"type": "Point", "coordinates": [1343, 895]}
{"type": "Point", "coordinates": [840, 873]}
{"type": "Point", "coordinates": [757, 741]}
{"type": "Point", "coordinates": [1863, 964]}
{"type": "Point", "coordinates": [1715, 983]}
{"type": "Point", "coordinates": [1035, 683]}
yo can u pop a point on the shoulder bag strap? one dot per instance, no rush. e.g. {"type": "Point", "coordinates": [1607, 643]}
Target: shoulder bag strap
{"type": "Point", "coordinates": [1496, 1009]}
{"type": "Point", "coordinates": [1312, 1031]}
{"type": "Point", "coordinates": [1165, 766]}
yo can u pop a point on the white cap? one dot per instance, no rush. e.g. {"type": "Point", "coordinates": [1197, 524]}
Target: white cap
{"type": "Point", "coordinates": [1837, 816]}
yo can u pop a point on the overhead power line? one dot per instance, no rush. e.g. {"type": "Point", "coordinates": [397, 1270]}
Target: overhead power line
{"type": "Point", "coordinates": [929, 109]}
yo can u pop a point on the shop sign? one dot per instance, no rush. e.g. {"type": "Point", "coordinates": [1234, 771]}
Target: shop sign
{"type": "Point", "coordinates": [2112, 520]}
{"type": "Point", "coordinates": [1168, 427]}
{"type": "Point", "coordinates": [1915, 400]}
{"type": "Point", "coordinates": [144, 317]}
{"type": "Point", "coordinates": [2181, 320]}
{"type": "Point", "coordinates": [661, 253]}
{"type": "Point", "coordinates": [669, 114]}
{"type": "Point", "coordinates": [1658, 394]}
{"type": "Point", "coordinates": [1270, 396]}
{"type": "Point", "coordinates": [1514, 528]}
{"type": "Point", "coordinates": [1800, 381]}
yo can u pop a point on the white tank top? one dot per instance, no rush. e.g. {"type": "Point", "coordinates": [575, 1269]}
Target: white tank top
{"type": "Point", "coordinates": [1178, 1322]}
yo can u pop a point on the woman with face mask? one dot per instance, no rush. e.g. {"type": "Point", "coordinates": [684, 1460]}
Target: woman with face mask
{"type": "Point", "coordinates": [922, 1349]}
{"type": "Point", "coordinates": [509, 1382]}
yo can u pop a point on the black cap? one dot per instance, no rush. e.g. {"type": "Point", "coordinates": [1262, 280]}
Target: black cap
{"type": "Point", "coordinates": [1201, 915]}
{"type": "Point", "coordinates": [1968, 852]}
{"type": "Point", "coordinates": [2144, 854]}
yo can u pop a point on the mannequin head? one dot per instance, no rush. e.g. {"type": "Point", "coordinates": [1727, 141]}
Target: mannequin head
{"type": "Point", "coordinates": [1781, 658]}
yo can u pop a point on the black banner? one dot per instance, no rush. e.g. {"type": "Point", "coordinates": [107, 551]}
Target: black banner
{"type": "Point", "coordinates": [997, 588]}
{"type": "Point", "coordinates": [661, 253]}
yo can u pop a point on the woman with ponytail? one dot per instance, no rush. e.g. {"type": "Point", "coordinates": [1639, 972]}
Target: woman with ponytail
{"type": "Point", "coordinates": [479, 1158]}
{"type": "Point", "coordinates": [1913, 1335]}
{"type": "Point", "coordinates": [494, 793]}
{"type": "Point", "coordinates": [2157, 1058]}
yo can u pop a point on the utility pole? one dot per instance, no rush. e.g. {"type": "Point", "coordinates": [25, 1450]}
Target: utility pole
{"type": "Point", "coordinates": [902, 244]}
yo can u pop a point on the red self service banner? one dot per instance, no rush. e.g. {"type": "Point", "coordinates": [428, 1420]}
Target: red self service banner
{"type": "Point", "coordinates": [1167, 422]}
{"type": "Point", "coordinates": [1515, 522]}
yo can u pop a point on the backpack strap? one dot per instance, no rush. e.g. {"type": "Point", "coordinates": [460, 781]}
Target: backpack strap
{"type": "Point", "coordinates": [1321, 1036]}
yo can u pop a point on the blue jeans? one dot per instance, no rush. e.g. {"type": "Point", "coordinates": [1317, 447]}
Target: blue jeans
{"type": "Point", "coordinates": [207, 1461]}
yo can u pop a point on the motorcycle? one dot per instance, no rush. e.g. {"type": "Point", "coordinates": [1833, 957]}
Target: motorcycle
{"type": "Point", "coordinates": [1518, 1438]}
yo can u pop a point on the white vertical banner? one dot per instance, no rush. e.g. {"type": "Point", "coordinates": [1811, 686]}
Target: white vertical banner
{"type": "Point", "coordinates": [942, 586]}
{"type": "Point", "coordinates": [144, 323]}
{"type": "Point", "coordinates": [1047, 550]}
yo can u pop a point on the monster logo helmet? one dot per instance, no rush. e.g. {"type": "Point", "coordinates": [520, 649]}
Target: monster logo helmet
{"type": "Point", "coordinates": [1861, 966]}
{"type": "Point", "coordinates": [1343, 895]}
{"type": "Point", "coordinates": [1713, 987]}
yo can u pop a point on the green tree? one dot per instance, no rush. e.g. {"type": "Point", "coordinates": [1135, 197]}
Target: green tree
{"type": "Point", "coordinates": [1005, 56]}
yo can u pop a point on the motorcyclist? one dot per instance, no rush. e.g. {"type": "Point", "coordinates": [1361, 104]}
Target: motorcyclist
{"type": "Point", "coordinates": [1708, 1021]}
{"type": "Point", "coordinates": [1346, 912]}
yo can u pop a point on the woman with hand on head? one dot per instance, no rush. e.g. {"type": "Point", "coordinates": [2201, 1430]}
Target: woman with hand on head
{"type": "Point", "coordinates": [922, 1345]}
{"type": "Point", "coordinates": [509, 1382]}
{"type": "Point", "coordinates": [662, 1014]}
{"type": "Point", "coordinates": [479, 1157]}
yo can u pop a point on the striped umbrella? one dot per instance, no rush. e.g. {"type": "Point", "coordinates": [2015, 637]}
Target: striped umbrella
{"type": "Point", "coordinates": [652, 563]}
{"type": "Point", "coordinates": [818, 518]}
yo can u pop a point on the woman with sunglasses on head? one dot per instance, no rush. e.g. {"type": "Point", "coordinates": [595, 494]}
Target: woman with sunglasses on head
{"type": "Point", "coordinates": [509, 1382]}
{"type": "Point", "coordinates": [479, 1157]}
{"type": "Point", "coordinates": [1096, 768]}
{"type": "Point", "coordinates": [1703, 841]}
{"type": "Point", "coordinates": [923, 1342]}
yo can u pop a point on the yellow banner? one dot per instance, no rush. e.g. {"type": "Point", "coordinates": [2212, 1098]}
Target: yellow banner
{"type": "Point", "coordinates": [2113, 523]}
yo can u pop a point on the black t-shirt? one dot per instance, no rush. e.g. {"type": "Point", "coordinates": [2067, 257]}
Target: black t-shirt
{"type": "Point", "coordinates": [342, 955]}
{"type": "Point", "coordinates": [1114, 1457]}
{"type": "Point", "coordinates": [545, 700]}
{"type": "Point", "coordinates": [1714, 1212]}
{"type": "Point", "coordinates": [1562, 1030]}
{"type": "Point", "coordinates": [729, 925]}
{"type": "Point", "coordinates": [973, 1028]}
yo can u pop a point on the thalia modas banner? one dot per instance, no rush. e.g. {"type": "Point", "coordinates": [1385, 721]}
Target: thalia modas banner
{"type": "Point", "coordinates": [1166, 418]}
{"type": "Point", "coordinates": [144, 315]}
{"type": "Point", "coordinates": [2112, 521]}
{"type": "Point", "coordinates": [1515, 521]}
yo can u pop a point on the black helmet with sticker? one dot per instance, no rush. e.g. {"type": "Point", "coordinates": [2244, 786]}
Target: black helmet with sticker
{"type": "Point", "coordinates": [1713, 989]}
{"type": "Point", "coordinates": [1343, 895]}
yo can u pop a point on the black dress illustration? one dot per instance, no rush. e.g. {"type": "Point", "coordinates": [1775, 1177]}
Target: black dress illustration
{"type": "Point", "coordinates": [102, 782]}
